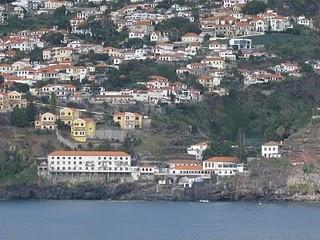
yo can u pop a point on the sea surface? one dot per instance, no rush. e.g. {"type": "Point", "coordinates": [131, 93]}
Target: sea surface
{"type": "Point", "coordinates": [90, 220]}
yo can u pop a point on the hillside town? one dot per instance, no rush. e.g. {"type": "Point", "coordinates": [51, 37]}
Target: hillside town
{"type": "Point", "coordinates": [102, 80]}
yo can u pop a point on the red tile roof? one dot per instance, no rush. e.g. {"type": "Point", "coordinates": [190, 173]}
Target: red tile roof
{"type": "Point", "coordinates": [90, 153]}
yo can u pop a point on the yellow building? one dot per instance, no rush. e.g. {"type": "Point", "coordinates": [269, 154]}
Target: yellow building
{"type": "Point", "coordinates": [46, 121]}
{"type": "Point", "coordinates": [128, 120]}
{"type": "Point", "coordinates": [82, 129]}
{"type": "Point", "coordinates": [215, 62]}
{"type": "Point", "coordinates": [68, 115]}
{"type": "Point", "coordinates": [10, 100]}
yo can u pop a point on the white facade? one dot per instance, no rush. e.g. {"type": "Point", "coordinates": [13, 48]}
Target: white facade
{"type": "Point", "coordinates": [89, 162]}
{"type": "Point", "coordinates": [240, 43]}
{"type": "Point", "coordinates": [302, 20]}
{"type": "Point", "coordinates": [230, 3]}
{"type": "Point", "coordinates": [197, 150]}
{"type": "Point", "coordinates": [223, 166]}
{"type": "Point", "coordinates": [271, 150]}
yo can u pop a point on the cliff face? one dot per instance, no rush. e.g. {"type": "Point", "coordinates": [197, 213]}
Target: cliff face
{"type": "Point", "coordinates": [247, 188]}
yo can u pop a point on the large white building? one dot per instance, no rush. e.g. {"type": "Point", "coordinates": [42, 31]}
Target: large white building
{"type": "Point", "coordinates": [89, 162]}
{"type": "Point", "coordinates": [220, 166]}
{"type": "Point", "coordinates": [271, 150]}
{"type": "Point", "coordinates": [223, 166]}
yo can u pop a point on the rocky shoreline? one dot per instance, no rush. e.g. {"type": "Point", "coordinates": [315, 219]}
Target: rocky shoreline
{"type": "Point", "coordinates": [147, 192]}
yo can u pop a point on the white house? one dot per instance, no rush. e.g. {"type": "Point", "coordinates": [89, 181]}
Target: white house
{"type": "Point", "coordinates": [271, 149]}
{"type": "Point", "coordinates": [302, 20]}
{"type": "Point", "coordinates": [197, 149]}
{"type": "Point", "coordinates": [230, 3]}
{"type": "Point", "coordinates": [240, 43]}
{"type": "Point", "coordinates": [191, 38]}
{"type": "Point", "coordinates": [223, 166]}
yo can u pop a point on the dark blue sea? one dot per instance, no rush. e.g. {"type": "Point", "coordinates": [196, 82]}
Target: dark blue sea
{"type": "Point", "coordinates": [90, 220]}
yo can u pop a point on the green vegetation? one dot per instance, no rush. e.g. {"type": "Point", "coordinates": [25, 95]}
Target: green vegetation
{"type": "Point", "coordinates": [36, 55]}
{"type": "Point", "coordinates": [136, 43]}
{"type": "Point", "coordinates": [130, 143]}
{"type": "Point", "coordinates": [135, 71]}
{"type": "Point", "coordinates": [152, 144]}
{"type": "Point", "coordinates": [91, 56]}
{"type": "Point", "coordinates": [295, 7]}
{"type": "Point", "coordinates": [300, 44]}
{"type": "Point", "coordinates": [104, 31]}
{"type": "Point", "coordinates": [53, 38]}
{"type": "Point", "coordinates": [307, 168]}
{"type": "Point", "coordinates": [299, 188]}
{"type": "Point", "coordinates": [254, 7]}
{"type": "Point", "coordinates": [287, 108]}
{"type": "Point", "coordinates": [16, 167]}
{"type": "Point", "coordinates": [23, 117]}
{"type": "Point", "coordinates": [59, 18]}
{"type": "Point", "coordinates": [178, 26]}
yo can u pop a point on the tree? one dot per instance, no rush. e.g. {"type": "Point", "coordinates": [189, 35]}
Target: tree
{"type": "Point", "coordinates": [254, 7]}
{"type": "Point", "coordinates": [20, 118]}
{"type": "Point", "coordinates": [1, 79]}
{"type": "Point", "coordinates": [20, 87]}
{"type": "Point", "coordinates": [177, 26]}
{"type": "Point", "coordinates": [60, 12]}
{"type": "Point", "coordinates": [306, 68]}
{"type": "Point", "coordinates": [53, 102]}
{"type": "Point", "coordinates": [12, 162]}
{"type": "Point", "coordinates": [219, 148]}
{"type": "Point", "coordinates": [53, 38]}
{"type": "Point", "coordinates": [135, 43]}
{"type": "Point", "coordinates": [36, 55]}
{"type": "Point", "coordinates": [130, 143]}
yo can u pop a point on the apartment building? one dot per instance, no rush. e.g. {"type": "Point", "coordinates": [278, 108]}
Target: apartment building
{"type": "Point", "coordinates": [68, 115]}
{"type": "Point", "coordinates": [46, 121]}
{"type": "Point", "coordinates": [83, 128]}
{"type": "Point", "coordinates": [8, 101]}
{"type": "Point", "coordinates": [89, 162]}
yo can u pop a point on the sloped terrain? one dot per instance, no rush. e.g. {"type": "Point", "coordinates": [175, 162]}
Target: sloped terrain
{"type": "Point", "coordinates": [304, 146]}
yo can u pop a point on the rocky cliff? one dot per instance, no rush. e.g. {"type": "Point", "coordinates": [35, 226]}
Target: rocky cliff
{"type": "Point", "coordinates": [270, 180]}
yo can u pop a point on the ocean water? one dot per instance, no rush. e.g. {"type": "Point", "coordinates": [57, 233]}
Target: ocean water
{"type": "Point", "coordinates": [90, 220]}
